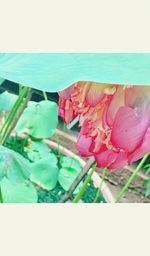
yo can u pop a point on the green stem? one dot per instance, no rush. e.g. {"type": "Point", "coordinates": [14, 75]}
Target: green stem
{"type": "Point", "coordinates": [100, 187]}
{"type": "Point", "coordinates": [45, 95]}
{"type": "Point", "coordinates": [129, 181]}
{"type": "Point", "coordinates": [5, 130]}
{"type": "Point", "coordinates": [84, 186]}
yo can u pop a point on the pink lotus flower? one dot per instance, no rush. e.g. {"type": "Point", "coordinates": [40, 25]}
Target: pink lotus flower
{"type": "Point", "coordinates": [114, 121]}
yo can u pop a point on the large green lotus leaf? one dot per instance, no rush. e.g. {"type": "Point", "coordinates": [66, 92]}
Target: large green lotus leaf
{"type": "Point", "coordinates": [53, 72]}
{"type": "Point", "coordinates": [39, 120]}
{"type": "Point", "coordinates": [14, 166]}
{"type": "Point", "coordinates": [21, 193]}
{"type": "Point", "coordinates": [66, 178]}
{"type": "Point", "coordinates": [45, 172]}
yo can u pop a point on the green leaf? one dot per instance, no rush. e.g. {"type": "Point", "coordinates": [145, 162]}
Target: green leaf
{"type": "Point", "coordinates": [20, 193]}
{"type": "Point", "coordinates": [148, 188]}
{"type": "Point", "coordinates": [53, 72]}
{"type": "Point", "coordinates": [7, 101]}
{"type": "Point", "coordinates": [66, 178]}
{"type": "Point", "coordinates": [37, 150]}
{"type": "Point", "coordinates": [45, 172]}
{"type": "Point", "coordinates": [14, 166]}
{"type": "Point", "coordinates": [70, 162]}
{"type": "Point", "coordinates": [147, 167]}
{"type": "Point", "coordinates": [39, 120]}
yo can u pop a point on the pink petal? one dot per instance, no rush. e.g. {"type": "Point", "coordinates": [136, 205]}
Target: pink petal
{"type": "Point", "coordinates": [104, 115]}
{"type": "Point", "coordinates": [137, 96]}
{"type": "Point", "coordinates": [120, 161]}
{"type": "Point", "coordinates": [95, 94]}
{"type": "Point", "coordinates": [116, 102]}
{"type": "Point", "coordinates": [83, 145]}
{"type": "Point", "coordinates": [66, 94]}
{"type": "Point", "coordinates": [105, 158]}
{"type": "Point", "coordinates": [129, 128]}
{"type": "Point", "coordinates": [143, 149]}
